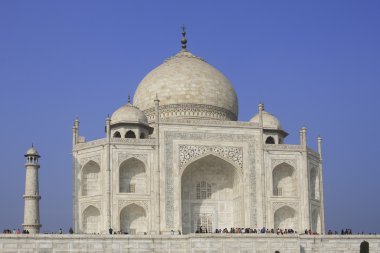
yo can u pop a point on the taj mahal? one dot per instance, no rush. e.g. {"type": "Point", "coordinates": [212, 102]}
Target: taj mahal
{"type": "Point", "coordinates": [178, 159]}
{"type": "Point", "coordinates": [176, 165]}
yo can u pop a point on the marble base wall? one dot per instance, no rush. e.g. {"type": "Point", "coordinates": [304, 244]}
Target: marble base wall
{"type": "Point", "coordinates": [194, 243]}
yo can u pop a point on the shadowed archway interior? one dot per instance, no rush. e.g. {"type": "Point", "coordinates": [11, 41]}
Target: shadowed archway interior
{"type": "Point", "coordinates": [211, 195]}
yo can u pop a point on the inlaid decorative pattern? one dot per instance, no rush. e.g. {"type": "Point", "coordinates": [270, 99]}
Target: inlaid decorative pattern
{"type": "Point", "coordinates": [189, 153]}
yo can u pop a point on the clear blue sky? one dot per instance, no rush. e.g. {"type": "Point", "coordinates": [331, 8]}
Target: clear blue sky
{"type": "Point", "coordinates": [313, 63]}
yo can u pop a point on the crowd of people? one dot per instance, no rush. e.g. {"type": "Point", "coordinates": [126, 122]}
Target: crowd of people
{"type": "Point", "coordinates": [263, 230]}
{"type": "Point", "coordinates": [15, 231]}
{"type": "Point", "coordinates": [232, 230]}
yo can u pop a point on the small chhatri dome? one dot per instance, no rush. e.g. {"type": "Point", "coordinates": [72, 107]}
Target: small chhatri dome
{"type": "Point", "coordinates": [188, 87]}
{"type": "Point", "coordinates": [129, 114]}
{"type": "Point", "coordinates": [269, 121]}
{"type": "Point", "coordinates": [32, 152]}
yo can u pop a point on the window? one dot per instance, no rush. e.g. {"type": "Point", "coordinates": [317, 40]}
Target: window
{"type": "Point", "coordinates": [117, 135]}
{"type": "Point", "coordinates": [279, 191]}
{"type": "Point", "coordinates": [203, 190]}
{"type": "Point", "coordinates": [132, 188]}
{"type": "Point", "coordinates": [142, 136]}
{"type": "Point", "coordinates": [269, 140]}
{"type": "Point", "coordinates": [130, 134]}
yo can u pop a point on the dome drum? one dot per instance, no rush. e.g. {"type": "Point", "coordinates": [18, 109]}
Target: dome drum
{"type": "Point", "coordinates": [188, 111]}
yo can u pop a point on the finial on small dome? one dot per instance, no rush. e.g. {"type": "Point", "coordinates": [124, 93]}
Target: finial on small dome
{"type": "Point", "coordinates": [129, 98]}
{"type": "Point", "coordinates": [184, 40]}
{"type": "Point", "coordinates": [32, 145]}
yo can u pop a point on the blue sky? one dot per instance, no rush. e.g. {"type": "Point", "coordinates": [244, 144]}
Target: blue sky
{"type": "Point", "coordinates": [313, 63]}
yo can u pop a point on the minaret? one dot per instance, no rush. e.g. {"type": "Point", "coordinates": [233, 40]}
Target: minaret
{"type": "Point", "coordinates": [32, 196]}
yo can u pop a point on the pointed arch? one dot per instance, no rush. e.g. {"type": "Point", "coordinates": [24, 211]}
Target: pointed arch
{"type": "Point", "coordinates": [132, 176]}
{"type": "Point", "coordinates": [117, 134]}
{"type": "Point", "coordinates": [270, 140]}
{"type": "Point", "coordinates": [237, 169]}
{"type": "Point", "coordinates": [314, 183]}
{"type": "Point", "coordinates": [133, 219]}
{"type": "Point", "coordinates": [211, 194]}
{"type": "Point", "coordinates": [91, 220]}
{"type": "Point", "coordinates": [130, 134]}
{"type": "Point", "coordinates": [284, 180]}
{"type": "Point", "coordinates": [285, 218]}
{"type": "Point", "coordinates": [90, 179]}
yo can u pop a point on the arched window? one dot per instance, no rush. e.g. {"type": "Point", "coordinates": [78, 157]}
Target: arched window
{"type": "Point", "coordinates": [269, 140]}
{"type": "Point", "coordinates": [90, 181]}
{"type": "Point", "coordinates": [130, 134]}
{"type": "Point", "coordinates": [117, 135]}
{"type": "Point", "coordinates": [314, 183]}
{"type": "Point", "coordinates": [142, 136]}
{"type": "Point", "coordinates": [203, 190]}
{"type": "Point", "coordinates": [91, 220]}
{"type": "Point", "coordinates": [132, 176]}
{"type": "Point", "coordinates": [285, 218]}
{"type": "Point", "coordinates": [284, 182]}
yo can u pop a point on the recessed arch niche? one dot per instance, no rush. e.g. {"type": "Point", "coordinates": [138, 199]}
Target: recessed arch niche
{"type": "Point", "coordinates": [211, 195]}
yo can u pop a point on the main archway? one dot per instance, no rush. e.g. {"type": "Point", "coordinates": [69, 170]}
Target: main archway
{"type": "Point", "coordinates": [211, 196]}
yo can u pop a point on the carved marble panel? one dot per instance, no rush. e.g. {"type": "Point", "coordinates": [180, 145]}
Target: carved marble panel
{"type": "Point", "coordinates": [278, 205]}
{"type": "Point", "coordinates": [95, 158]}
{"type": "Point", "coordinates": [291, 162]}
{"type": "Point", "coordinates": [125, 156]}
{"type": "Point", "coordinates": [123, 203]}
{"type": "Point", "coordinates": [189, 153]}
{"type": "Point", "coordinates": [95, 203]}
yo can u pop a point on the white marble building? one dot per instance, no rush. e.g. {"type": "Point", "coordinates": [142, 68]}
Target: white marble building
{"type": "Point", "coordinates": [178, 159]}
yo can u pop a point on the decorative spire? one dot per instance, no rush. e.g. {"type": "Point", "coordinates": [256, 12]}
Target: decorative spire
{"type": "Point", "coordinates": [184, 40]}
{"type": "Point", "coordinates": [129, 98]}
{"type": "Point", "coordinates": [261, 106]}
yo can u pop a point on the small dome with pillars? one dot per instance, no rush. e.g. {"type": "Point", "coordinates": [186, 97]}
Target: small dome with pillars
{"type": "Point", "coordinates": [32, 152]}
{"type": "Point", "coordinates": [269, 121]}
{"type": "Point", "coordinates": [129, 114]}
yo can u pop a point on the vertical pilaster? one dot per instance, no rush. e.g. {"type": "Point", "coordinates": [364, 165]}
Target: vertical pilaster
{"type": "Point", "coordinates": [157, 171]}
{"type": "Point", "coordinates": [108, 175]}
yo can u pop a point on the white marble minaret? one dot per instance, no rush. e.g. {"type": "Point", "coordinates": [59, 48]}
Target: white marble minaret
{"type": "Point", "coordinates": [32, 196]}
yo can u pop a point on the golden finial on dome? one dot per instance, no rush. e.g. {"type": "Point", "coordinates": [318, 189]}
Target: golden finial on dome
{"type": "Point", "coordinates": [183, 40]}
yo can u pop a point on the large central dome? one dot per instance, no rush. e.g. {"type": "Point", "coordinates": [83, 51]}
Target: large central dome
{"type": "Point", "coordinates": [187, 87]}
